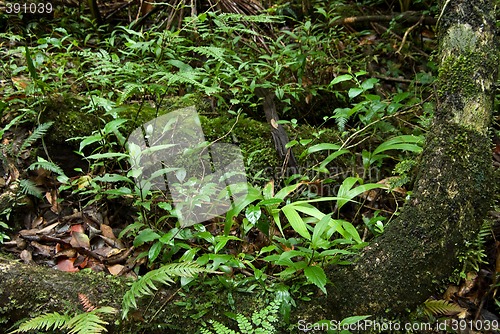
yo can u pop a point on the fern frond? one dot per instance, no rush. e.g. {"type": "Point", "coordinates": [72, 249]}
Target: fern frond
{"type": "Point", "coordinates": [86, 303]}
{"type": "Point", "coordinates": [146, 285]}
{"type": "Point", "coordinates": [222, 329]}
{"type": "Point", "coordinates": [86, 323]}
{"type": "Point", "coordinates": [39, 132]}
{"type": "Point", "coordinates": [130, 89]}
{"type": "Point", "coordinates": [212, 51]}
{"type": "Point", "coordinates": [29, 188]}
{"type": "Point", "coordinates": [48, 165]}
{"type": "Point", "coordinates": [44, 322]}
{"type": "Point", "coordinates": [442, 307]}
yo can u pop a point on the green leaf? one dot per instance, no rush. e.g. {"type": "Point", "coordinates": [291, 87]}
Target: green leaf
{"type": "Point", "coordinates": [222, 241]}
{"type": "Point", "coordinates": [340, 78]}
{"type": "Point", "coordinates": [107, 156]}
{"type": "Point", "coordinates": [346, 194]}
{"type": "Point", "coordinates": [253, 214]}
{"type": "Point", "coordinates": [320, 147]}
{"type": "Point", "coordinates": [353, 92]}
{"type": "Point", "coordinates": [319, 229]}
{"type": "Point", "coordinates": [353, 319]}
{"type": "Point", "coordinates": [90, 140]}
{"type": "Point", "coordinates": [252, 195]}
{"type": "Point", "coordinates": [154, 251]}
{"type": "Point", "coordinates": [285, 191]}
{"type": "Point", "coordinates": [144, 236]}
{"type": "Point", "coordinates": [296, 221]}
{"type": "Point", "coordinates": [113, 178]}
{"type": "Point", "coordinates": [270, 202]}
{"type": "Point", "coordinates": [316, 275]}
{"type": "Point", "coordinates": [349, 228]}
{"type": "Point", "coordinates": [369, 83]}
{"type": "Point", "coordinates": [405, 143]}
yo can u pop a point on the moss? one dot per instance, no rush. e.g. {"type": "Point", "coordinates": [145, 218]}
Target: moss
{"type": "Point", "coordinates": [253, 138]}
{"type": "Point", "coordinates": [72, 120]}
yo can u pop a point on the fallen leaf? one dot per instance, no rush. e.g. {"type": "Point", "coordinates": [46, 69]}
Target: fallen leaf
{"type": "Point", "coordinates": [107, 231]}
{"type": "Point", "coordinates": [26, 256]}
{"type": "Point", "coordinates": [79, 239]}
{"type": "Point", "coordinates": [43, 250]}
{"type": "Point", "coordinates": [67, 265]}
{"type": "Point", "coordinates": [37, 222]}
{"type": "Point", "coordinates": [115, 269]}
{"type": "Point", "coordinates": [70, 252]}
{"type": "Point", "coordinates": [77, 228]}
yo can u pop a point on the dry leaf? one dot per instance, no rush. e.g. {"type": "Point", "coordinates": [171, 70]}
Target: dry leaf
{"type": "Point", "coordinates": [67, 265]}
{"type": "Point", "coordinates": [107, 231]}
{"type": "Point", "coordinates": [115, 269]}
{"type": "Point", "coordinates": [79, 239]}
{"type": "Point", "coordinates": [26, 256]}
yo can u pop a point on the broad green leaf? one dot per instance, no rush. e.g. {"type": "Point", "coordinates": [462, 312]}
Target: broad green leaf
{"type": "Point", "coordinates": [268, 191]}
{"type": "Point", "coordinates": [252, 195]}
{"type": "Point", "coordinates": [346, 194]}
{"type": "Point", "coordinates": [331, 157]}
{"type": "Point", "coordinates": [270, 202]}
{"type": "Point", "coordinates": [296, 221]}
{"type": "Point", "coordinates": [340, 78]}
{"type": "Point", "coordinates": [107, 156]}
{"type": "Point", "coordinates": [349, 228]}
{"type": "Point", "coordinates": [353, 92]}
{"type": "Point", "coordinates": [90, 140]}
{"type": "Point", "coordinates": [113, 178]}
{"type": "Point", "coordinates": [405, 143]}
{"type": "Point", "coordinates": [316, 275]}
{"type": "Point", "coordinates": [145, 236]}
{"type": "Point", "coordinates": [320, 147]}
{"type": "Point", "coordinates": [285, 191]}
{"type": "Point", "coordinates": [369, 83]}
{"type": "Point", "coordinates": [353, 319]}
{"type": "Point", "coordinates": [222, 241]}
{"type": "Point", "coordinates": [317, 241]}
{"type": "Point", "coordinates": [154, 251]}
{"type": "Point", "coordinates": [253, 214]}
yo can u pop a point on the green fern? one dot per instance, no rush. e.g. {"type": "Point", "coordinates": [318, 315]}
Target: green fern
{"type": "Point", "coordinates": [262, 322]}
{"type": "Point", "coordinates": [130, 90]}
{"type": "Point", "coordinates": [39, 132]}
{"type": "Point", "coordinates": [146, 285]}
{"type": "Point", "coordinates": [442, 307]}
{"type": "Point", "coordinates": [29, 188]}
{"type": "Point", "coordinates": [50, 321]}
{"type": "Point", "coordinates": [83, 323]}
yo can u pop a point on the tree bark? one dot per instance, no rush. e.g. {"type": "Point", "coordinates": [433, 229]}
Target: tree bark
{"type": "Point", "coordinates": [399, 270]}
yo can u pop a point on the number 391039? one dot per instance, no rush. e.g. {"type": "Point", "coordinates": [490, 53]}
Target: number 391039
{"type": "Point", "coordinates": [29, 8]}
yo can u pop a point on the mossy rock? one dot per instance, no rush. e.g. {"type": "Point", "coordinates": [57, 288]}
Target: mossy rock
{"type": "Point", "coordinates": [71, 120]}
{"type": "Point", "coordinates": [253, 138]}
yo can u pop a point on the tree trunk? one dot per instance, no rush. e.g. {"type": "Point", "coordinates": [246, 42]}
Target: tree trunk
{"type": "Point", "coordinates": [396, 272]}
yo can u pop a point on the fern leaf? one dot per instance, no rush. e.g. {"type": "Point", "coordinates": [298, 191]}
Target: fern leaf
{"type": "Point", "coordinates": [48, 165]}
{"type": "Point", "coordinates": [44, 322]}
{"type": "Point", "coordinates": [130, 89]}
{"type": "Point", "coordinates": [86, 323]}
{"type": "Point", "coordinates": [443, 307]}
{"type": "Point", "coordinates": [29, 188]}
{"type": "Point", "coordinates": [146, 285]}
{"type": "Point", "coordinates": [39, 132]}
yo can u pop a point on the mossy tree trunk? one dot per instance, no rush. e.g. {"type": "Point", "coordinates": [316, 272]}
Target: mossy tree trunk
{"type": "Point", "coordinates": [396, 272]}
